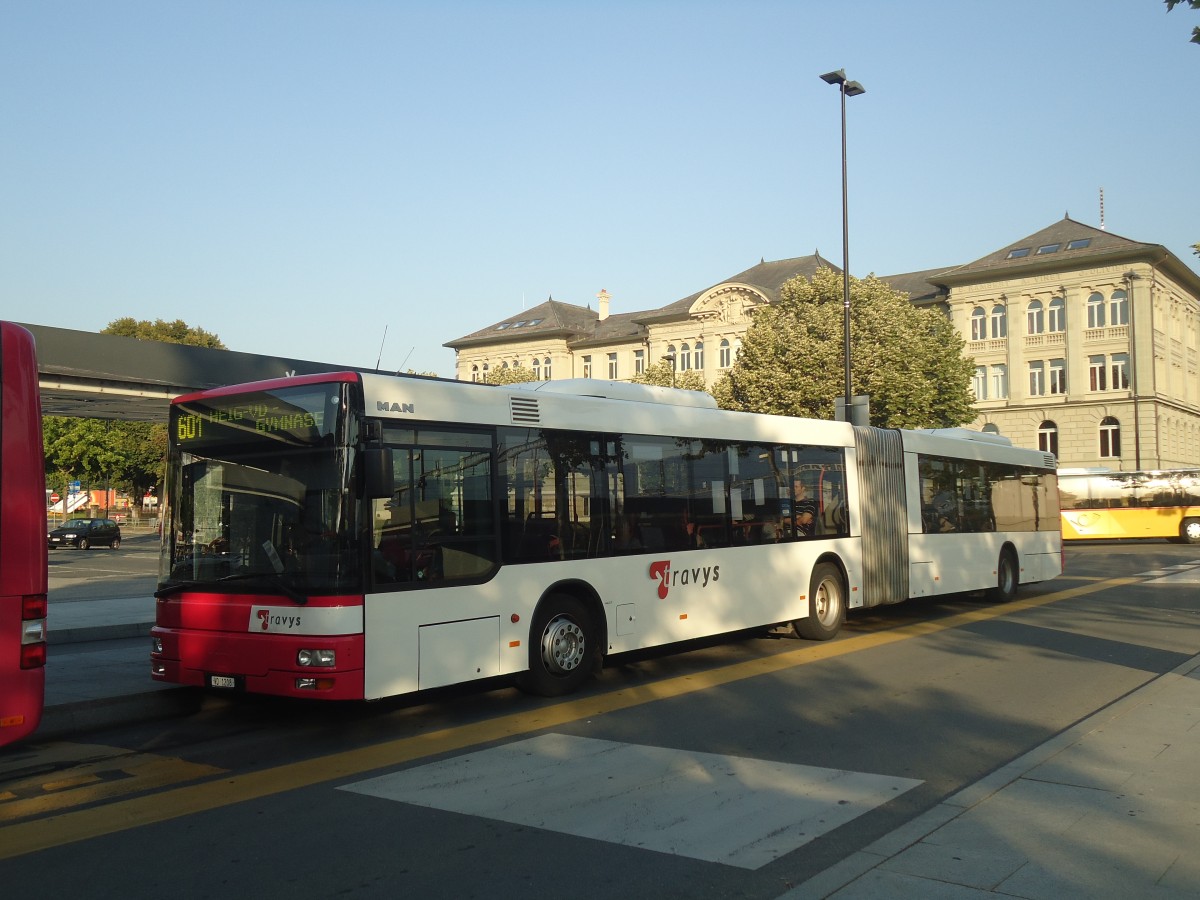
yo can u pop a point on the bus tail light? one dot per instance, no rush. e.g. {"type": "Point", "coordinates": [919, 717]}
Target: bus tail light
{"type": "Point", "coordinates": [33, 631]}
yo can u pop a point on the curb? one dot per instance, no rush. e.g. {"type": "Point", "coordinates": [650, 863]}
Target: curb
{"type": "Point", "coordinates": [67, 720]}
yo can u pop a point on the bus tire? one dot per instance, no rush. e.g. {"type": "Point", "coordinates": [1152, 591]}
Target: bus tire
{"type": "Point", "coordinates": [562, 647]}
{"type": "Point", "coordinates": [826, 604]}
{"type": "Point", "coordinates": [1189, 531]}
{"type": "Point", "coordinates": [1007, 578]}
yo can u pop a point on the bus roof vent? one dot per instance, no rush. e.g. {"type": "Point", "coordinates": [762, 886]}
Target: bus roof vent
{"type": "Point", "coordinates": [524, 410]}
{"type": "Point", "coordinates": [1051, 462]}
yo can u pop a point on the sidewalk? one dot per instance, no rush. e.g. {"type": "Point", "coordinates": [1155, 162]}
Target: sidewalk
{"type": "Point", "coordinates": [98, 669]}
{"type": "Point", "coordinates": [1107, 808]}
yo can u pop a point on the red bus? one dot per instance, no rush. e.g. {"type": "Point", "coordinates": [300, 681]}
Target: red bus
{"type": "Point", "coordinates": [22, 538]}
{"type": "Point", "coordinates": [351, 536]}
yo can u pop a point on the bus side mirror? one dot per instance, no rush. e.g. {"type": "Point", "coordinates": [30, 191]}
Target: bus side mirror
{"type": "Point", "coordinates": [378, 480]}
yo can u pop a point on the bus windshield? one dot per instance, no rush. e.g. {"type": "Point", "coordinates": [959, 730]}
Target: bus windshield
{"type": "Point", "coordinates": [259, 494]}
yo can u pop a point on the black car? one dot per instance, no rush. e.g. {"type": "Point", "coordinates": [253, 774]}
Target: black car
{"type": "Point", "coordinates": [85, 533]}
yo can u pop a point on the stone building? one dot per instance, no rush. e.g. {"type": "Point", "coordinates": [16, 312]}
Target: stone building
{"type": "Point", "coordinates": [1085, 343]}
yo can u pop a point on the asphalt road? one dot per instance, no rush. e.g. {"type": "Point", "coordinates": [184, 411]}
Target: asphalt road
{"type": "Point", "coordinates": [101, 573]}
{"type": "Point", "coordinates": [665, 777]}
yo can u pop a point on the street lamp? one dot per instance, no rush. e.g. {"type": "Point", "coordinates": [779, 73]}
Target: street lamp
{"type": "Point", "coordinates": [846, 89]}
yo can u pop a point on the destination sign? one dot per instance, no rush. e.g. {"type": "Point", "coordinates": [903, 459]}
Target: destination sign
{"type": "Point", "coordinates": [296, 415]}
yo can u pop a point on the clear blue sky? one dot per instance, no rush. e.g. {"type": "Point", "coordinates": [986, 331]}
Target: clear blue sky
{"type": "Point", "coordinates": [296, 175]}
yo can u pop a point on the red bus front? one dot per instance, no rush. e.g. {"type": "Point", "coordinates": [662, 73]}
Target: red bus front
{"type": "Point", "coordinates": [261, 583]}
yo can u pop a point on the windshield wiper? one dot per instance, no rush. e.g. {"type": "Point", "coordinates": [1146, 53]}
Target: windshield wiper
{"type": "Point", "coordinates": [275, 580]}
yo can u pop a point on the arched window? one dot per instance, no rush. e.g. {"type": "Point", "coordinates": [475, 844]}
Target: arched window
{"type": "Point", "coordinates": [724, 359]}
{"type": "Point", "coordinates": [991, 428]}
{"type": "Point", "coordinates": [474, 373]}
{"type": "Point", "coordinates": [1058, 315]}
{"type": "Point", "coordinates": [546, 368]}
{"type": "Point", "coordinates": [999, 321]}
{"type": "Point", "coordinates": [1095, 308]}
{"type": "Point", "coordinates": [1110, 438]}
{"type": "Point", "coordinates": [1048, 437]}
{"type": "Point", "coordinates": [537, 369]}
{"type": "Point", "coordinates": [698, 357]}
{"type": "Point", "coordinates": [1118, 308]}
{"type": "Point", "coordinates": [978, 324]}
{"type": "Point", "coordinates": [685, 357]}
{"type": "Point", "coordinates": [1035, 318]}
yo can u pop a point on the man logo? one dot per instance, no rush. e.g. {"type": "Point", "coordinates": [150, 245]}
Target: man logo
{"type": "Point", "coordinates": [384, 406]}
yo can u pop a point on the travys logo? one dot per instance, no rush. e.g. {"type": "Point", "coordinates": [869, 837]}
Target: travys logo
{"type": "Point", "coordinates": [267, 618]}
{"type": "Point", "coordinates": [661, 571]}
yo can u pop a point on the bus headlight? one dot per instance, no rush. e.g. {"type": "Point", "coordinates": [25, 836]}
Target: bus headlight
{"type": "Point", "coordinates": [323, 658]}
{"type": "Point", "coordinates": [156, 645]}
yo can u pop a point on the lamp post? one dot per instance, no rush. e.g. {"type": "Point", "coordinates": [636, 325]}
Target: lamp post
{"type": "Point", "coordinates": [846, 89]}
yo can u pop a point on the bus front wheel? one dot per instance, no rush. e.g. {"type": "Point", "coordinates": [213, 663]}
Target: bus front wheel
{"type": "Point", "coordinates": [826, 604]}
{"type": "Point", "coordinates": [562, 648]}
{"type": "Point", "coordinates": [1189, 530]}
{"type": "Point", "coordinates": [1006, 578]}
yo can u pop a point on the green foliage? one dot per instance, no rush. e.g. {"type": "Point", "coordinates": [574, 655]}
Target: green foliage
{"type": "Point", "coordinates": [511, 375]}
{"type": "Point", "coordinates": [909, 360]}
{"type": "Point", "coordinates": [101, 453]}
{"type": "Point", "coordinates": [663, 374]}
{"type": "Point", "coordinates": [1194, 4]}
{"type": "Point", "coordinates": [177, 332]}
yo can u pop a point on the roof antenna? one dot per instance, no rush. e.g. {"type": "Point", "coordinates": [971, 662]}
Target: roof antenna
{"type": "Point", "coordinates": [379, 358]}
{"type": "Point", "coordinates": [1101, 209]}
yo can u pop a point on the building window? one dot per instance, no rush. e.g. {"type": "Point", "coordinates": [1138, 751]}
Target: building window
{"type": "Point", "coordinates": [587, 367]}
{"type": "Point", "coordinates": [1037, 379]}
{"type": "Point", "coordinates": [612, 366]}
{"type": "Point", "coordinates": [546, 368]}
{"type": "Point", "coordinates": [979, 384]}
{"type": "Point", "coordinates": [1048, 437]}
{"type": "Point", "coordinates": [1110, 438]}
{"type": "Point", "coordinates": [698, 354]}
{"type": "Point", "coordinates": [537, 369]}
{"type": "Point", "coordinates": [1120, 371]}
{"type": "Point", "coordinates": [999, 382]}
{"type": "Point", "coordinates": [1118, 308]}
{"type": "Point", "coordinates": [1097, 373]}
{"type": "Point", "coordinates": [485, 372]}
{"type": "Point", "coordinates": [1058, 376]}
{"type": "Point", "coordinates": [1035, 318]}
{"type": "Point", "coordinates": [639, 362]}
{"type": "Point", "coordinates": [723, 353]}
{"type": "Point", "coordinates": [978, 324]}
{"type": "Point", "coordinates": [474, 373]}
{"type": "Point", "coordinates": [1095, 308]}
{"type": "Point", "coordinates": [1058, 315]}
{"type": "Point", "coordinates": [999, 321]}
{"type": "Point", "coordinates": [685, 357]}
{"type": "Point", "coordinates": [991, 428]}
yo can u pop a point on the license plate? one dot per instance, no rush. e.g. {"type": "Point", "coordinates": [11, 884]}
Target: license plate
{"type": "Point", "coordinates": [222, 681]}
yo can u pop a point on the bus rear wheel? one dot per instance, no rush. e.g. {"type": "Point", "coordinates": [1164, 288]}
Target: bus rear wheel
{"type": "Point", "coordinates": [1189, 531]}
{"type": "Point", "coordinates": [562, 648]}
{"type": "Point", "coordinates": [1006, 578]}
{"type": "Point", "coordinates": [826, 604]}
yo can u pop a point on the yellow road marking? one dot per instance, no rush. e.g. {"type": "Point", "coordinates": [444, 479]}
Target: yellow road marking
{"type": "Point", "coordinates": [96, 781]}
{"type": "Point", "coordinates": [66, 828]}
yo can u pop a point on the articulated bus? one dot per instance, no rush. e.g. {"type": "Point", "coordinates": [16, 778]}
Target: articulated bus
{"type": "Point", "coordinates": [358, 536]}
{"type": "Point", "coordinates": [22, 538]}
{"type": "Point", "coordinates": [1097, 503]}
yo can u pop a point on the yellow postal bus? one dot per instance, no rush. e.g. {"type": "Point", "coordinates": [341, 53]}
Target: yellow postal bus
{"type": "Point", "coordinates": [1150, 504]}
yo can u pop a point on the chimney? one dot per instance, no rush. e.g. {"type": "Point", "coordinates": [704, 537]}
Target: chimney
{"type": "Point", "coordinates": [602, 306]}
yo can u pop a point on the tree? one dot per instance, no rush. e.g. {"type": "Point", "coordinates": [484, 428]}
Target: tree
{"type": "Point", "coordinates": [511, 375]}
{"type": "Point", "coordinates": [1194, 4]}
{"type": "Point", "coordinates": [909, 360]}
{"type": "Point", "coordinates": [663, 374]}
{"type": "Point", "coordinates": [177, 332]}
